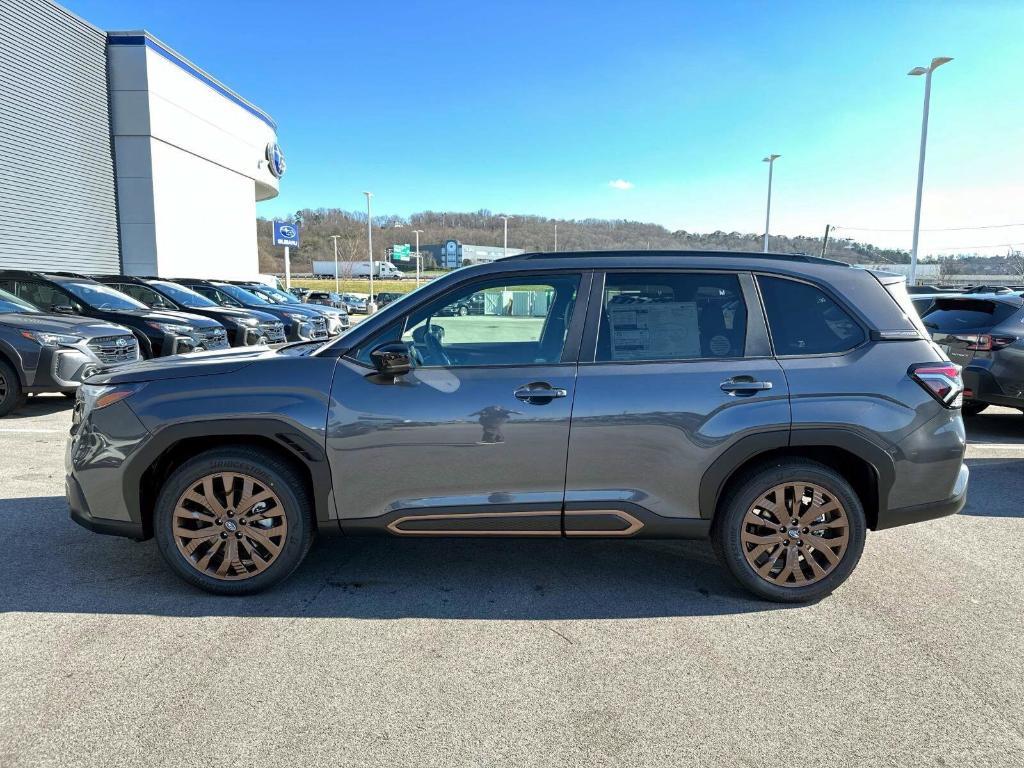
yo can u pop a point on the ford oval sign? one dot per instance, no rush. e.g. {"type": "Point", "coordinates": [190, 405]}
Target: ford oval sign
{"type": "Point", "coordinates": [275, 160]}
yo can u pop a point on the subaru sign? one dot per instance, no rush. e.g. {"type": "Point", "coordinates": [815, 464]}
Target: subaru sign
{"type": "Point", "coordinates": [275, 159]}
{"type": "Point", "coordinates": [286, 234]}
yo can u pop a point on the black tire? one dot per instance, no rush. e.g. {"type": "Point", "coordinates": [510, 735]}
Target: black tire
{"type": "Point", "coordinates": [729, 523]}
{"type": "Point", "coordinates": [271, 472]}
{"type": "Point", "coordinates": [972, 408]}
{"type": "Point", "coordinates": [463, 311]}
{"type": "Point", "coordinates": [11, 394]}
{"type": "Point", "coordinates": [70, 395]}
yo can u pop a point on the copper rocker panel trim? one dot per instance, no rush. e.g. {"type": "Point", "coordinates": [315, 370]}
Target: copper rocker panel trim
{"type": "Point", "coordinates": [394, 525]}
{"type": "Point", "coordinates": [634, 524]}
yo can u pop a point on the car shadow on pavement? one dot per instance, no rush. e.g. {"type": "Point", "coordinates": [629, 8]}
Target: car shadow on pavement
{"type": "Point", "coordinates": [999, 427]}
{"type": "Point", "coordinates": [987, 475]}
{"type": "Point", "coordinates": [40, 405]}
{"type": "Point", "coordinates": [52, 565]}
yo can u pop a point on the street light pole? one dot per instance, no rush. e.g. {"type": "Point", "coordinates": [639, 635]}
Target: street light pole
{"type": "Point", "coordinates": [556, 237]}
{"type": "Point", "coordinates": [768, 213]}
{"type": "Point", "coordinates": [505, 219]}
{"type": "Point", "coordinates": [417, 233]}
{"type": "Point", "coordinates": [335, 239]}
{"type": "Point", "coordinates": [937, 62]}
{"type": "Point", "coordinates": [369, 245]}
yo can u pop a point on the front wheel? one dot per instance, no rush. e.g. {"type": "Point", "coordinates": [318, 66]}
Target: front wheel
{"type": "Point", "coordinates": [790, 532]}
{"type": "Point", "coordinates": [11, 394]}
{"type": "Point", "coordinates": [234, 521]}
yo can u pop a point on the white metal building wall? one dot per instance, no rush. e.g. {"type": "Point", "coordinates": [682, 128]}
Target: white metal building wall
{"type": "Point", "coordinates": [58, 207]}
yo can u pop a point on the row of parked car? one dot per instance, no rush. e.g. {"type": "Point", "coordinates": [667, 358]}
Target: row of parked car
{"type": "Point", "coordinates": [57, 328]}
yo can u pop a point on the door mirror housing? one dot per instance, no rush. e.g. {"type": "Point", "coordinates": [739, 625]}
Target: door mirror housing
{"type": "Point", "coordinates": [392, 358]}
{"type": "Point", "coordinates": [63, 309]}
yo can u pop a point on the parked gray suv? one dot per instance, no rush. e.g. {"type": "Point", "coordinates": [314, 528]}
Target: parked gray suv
{"type": "Point", "coordinates": [780, 405]}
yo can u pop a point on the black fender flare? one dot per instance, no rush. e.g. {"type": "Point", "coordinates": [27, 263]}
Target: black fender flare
{"type": "Point", "coordinates": [714, 480]}
{"type": "Point", "coordinates": [285, 434]}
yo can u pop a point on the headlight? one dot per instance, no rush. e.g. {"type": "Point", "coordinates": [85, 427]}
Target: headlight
{"type": "Point", "coordinates": [95, 397]}
{"type": "Point", "coordinates": [51, 339]}
{"type": "Point", "coordinates": [296, 316]}
{"type": "Point", "coordinates": [247, 322]}
{"type": "Point", "coordinates": [181, 330]}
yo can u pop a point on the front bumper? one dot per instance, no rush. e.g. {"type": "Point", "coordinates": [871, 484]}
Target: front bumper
{"type": "Point", "coordinates": [921, 512]}
{"type": "Point", "coordinates": [82, 515]}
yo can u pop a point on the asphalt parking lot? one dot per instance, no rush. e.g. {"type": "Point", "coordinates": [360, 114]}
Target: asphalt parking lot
{"type": "Point", "coordinates": [487, 653]}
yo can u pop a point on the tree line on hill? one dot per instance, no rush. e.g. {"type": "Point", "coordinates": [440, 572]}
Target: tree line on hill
{"type": "Point", "coordinates": [532, 233]}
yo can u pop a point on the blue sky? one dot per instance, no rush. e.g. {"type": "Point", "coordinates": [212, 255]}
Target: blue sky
{"type": "Point", "coordinates": [534, 107]}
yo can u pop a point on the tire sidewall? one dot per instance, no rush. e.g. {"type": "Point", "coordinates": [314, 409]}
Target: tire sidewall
{"type": "Point", "coordinates": [728, 526]}
{"type": "Point", "coordinates": [267, 471]}
{"type": "Point", "coordinates": [14, 397]}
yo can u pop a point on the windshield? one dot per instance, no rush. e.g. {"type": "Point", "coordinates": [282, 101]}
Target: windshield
{"type": "Point", "coordinates": [11, 303]}
{"type": "Point", "coordinates": [101, 296]}
{"type": "Point", "coordinates": [240, 294]}
{"type": "Point", "coordinates": [276, 295]}
{"type": "Point", "coordinates": [184, 296]}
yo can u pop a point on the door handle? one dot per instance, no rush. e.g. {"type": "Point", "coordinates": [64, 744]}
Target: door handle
{"type": "Point", "coordinates": [745, 384]}
{"type": "Point", "coordinates": [539, 392]}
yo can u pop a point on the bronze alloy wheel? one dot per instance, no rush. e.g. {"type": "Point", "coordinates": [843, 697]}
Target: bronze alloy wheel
{"type": "Point", "coordinates": [229, 526]}
{"type": "Point", "coordinates": [795, 534]}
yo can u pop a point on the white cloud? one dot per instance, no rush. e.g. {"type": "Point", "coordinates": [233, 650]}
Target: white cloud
{"type": "Point", "coordinates": [620, 184]}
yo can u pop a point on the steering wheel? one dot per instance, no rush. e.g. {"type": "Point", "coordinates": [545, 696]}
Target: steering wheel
{"type": "Point", "coordinates": [424, 339]}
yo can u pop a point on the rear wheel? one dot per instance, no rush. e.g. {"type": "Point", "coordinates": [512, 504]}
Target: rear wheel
{"type": "Point", "coordinates": [11, 395]}
{"type": "Point", "coordinates": [234, 521]}
{"type": "Point", "coordinates": [973, 408]}
{"type": "Point", "coordinates": [791, 532]}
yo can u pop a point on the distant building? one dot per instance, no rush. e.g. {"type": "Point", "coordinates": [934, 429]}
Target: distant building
{"type": "Point", "coordinates": [452, 254]}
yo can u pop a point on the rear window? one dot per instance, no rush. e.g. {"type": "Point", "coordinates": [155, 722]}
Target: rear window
{"type": "Point", "coordinates": [805, 321]}
{"type": "Point", "coordinates": [950, 315]}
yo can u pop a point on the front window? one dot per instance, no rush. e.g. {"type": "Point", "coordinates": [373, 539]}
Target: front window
{"type": "Point", "coordinates": [146, 295]}
{"type": "Point", "coordinates": [101, 296]}
{"type": "Point", "coordinates": [11, 303]}
{"type": "Point", "coordinates": [276, 295]}
{"type": "Point", "coordinates": [182, 295]}
{"type": "Point", "coordinates": [241, 295]}
{"type": "Point", "coordinates": [511, 321]}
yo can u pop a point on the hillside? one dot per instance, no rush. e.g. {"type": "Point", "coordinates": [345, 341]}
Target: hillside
{"type": "Point", "coordinates": [532, 233]}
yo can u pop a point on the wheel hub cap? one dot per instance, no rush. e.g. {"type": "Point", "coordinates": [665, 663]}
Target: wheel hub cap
{"type": "Point", "coordinates": [795, 534]}
{"type": "Point", "coordinates": [229, 525]}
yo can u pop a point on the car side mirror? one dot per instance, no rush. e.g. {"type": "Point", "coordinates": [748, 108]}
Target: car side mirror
{"type": "Point", "coordinates": [392, 358]}
{"type": "Point", "coordinates": [63, 309]}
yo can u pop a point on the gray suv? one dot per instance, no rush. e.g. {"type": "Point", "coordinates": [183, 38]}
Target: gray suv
{"type": "Point", "coordinates": [780, 405]}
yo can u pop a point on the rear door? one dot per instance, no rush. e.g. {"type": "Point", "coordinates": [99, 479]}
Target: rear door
{"type": "Point", "coordinates": [675, 368]}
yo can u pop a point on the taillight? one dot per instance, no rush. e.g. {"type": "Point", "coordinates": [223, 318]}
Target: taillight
{"type": "Point", "coordinates": [941, 380]}
{"type": "Point", "coordinates": [984, 342]}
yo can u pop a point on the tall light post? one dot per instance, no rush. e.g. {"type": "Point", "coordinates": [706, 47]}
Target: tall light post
{"type": "Point", "coordinates": [417, 232]}
{"type": "Point", "coordinates": [937, 62]}
{"type": "Point", "coordinates": [556, 237]}
{"type": "Point", "coordinates": [505, 219]}
{"type": "Point", "coordinates": [768, 213]}
{"type": "Point", "coordinates": [369, 245]}
{"type": "Point", "coordinates": [335, 239]}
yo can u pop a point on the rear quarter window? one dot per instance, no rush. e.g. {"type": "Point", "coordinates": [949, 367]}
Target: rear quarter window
{"type": "Point", "coordinates": [803, 320]}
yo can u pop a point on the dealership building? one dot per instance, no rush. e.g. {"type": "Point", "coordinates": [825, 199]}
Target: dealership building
{"type": "Point", "coordinates": [121, 155]}
{"type": "Point", "coordinates": [452, 254]}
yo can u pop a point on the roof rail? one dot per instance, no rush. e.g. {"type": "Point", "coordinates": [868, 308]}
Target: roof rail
{"type": "Point", "coordinates": [71, 274]}
{"type": "Point", "coordinates": [22, 273]}
{"type": "Point", "coordinates": [801, 257]}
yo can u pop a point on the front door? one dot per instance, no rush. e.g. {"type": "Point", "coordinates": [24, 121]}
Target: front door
{"type": "Point", "coordinates": [473, 440]}
{"type": "Point", "coordinates": [675, 370]}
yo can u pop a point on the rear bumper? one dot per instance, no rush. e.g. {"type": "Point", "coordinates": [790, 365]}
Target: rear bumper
{"type": "Point", "coordinates": [983, 387]}
{"type": "Point", "coordinates": [921, 512]}
{"type": "Point", "coordinates": [81, 514]}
